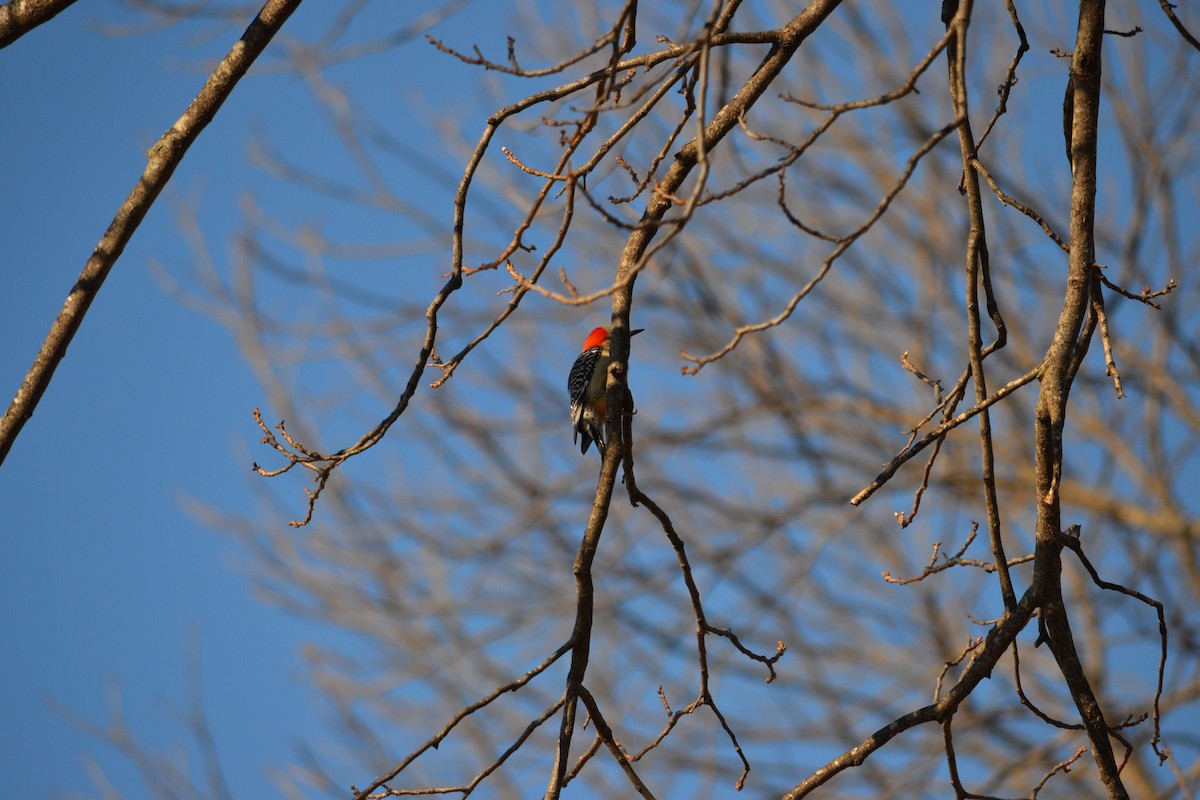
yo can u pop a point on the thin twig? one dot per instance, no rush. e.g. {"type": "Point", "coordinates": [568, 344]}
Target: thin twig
{"type": "Point", "coordinates": [463, 713]}
{"type": "Point", "coordinates": [889, 469]}
{"type": "Point", "coordinates": [1010, 77]}
{"type": "Point", "coordinates": [844, 244]}
{"type": "Point", "coordinates": [604, 733]}
{"type": "Point", "coordinates": [1110, 363]}
{"type": "Point", "coordinates": [1169, 10]}
{"type": "Point", "coordinates": [1072, 543]}
{"type": "Point", "coordinates": [1062, 766]}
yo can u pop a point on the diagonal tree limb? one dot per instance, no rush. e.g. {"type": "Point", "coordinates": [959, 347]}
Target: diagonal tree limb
{"type": "Point", "coordinates": [605, 734]}
{"type": "Point", "coordinates": [162, 160]}
{"type": "Point", "coordinates": [890, 468]}
{"type": "Point", "coordinates": [19, 17]}
{"type": "Point", "coordinates": [998, 640]}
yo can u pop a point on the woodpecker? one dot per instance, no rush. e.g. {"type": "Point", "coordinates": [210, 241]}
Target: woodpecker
{"type": "Point", "coordinates": [586, 388]}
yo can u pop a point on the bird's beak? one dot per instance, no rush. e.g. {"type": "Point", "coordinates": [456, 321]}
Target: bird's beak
{"type": "Point", "coordinates": [635, 333]}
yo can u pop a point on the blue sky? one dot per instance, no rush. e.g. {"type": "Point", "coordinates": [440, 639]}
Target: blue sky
{"type": "Point", "coordinates": [106, 582]}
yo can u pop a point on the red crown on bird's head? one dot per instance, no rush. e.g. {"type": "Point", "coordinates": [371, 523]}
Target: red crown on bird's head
{"type": "Point", "coordinates": [596, 338]}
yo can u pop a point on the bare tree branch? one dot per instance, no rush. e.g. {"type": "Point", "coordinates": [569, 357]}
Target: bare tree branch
{"type": "Point", "coordinates": [19, 17]}
{"type": "Point", "coordinates": [164, 157]}
{"type": "Point", "coordinates": [1058, 375]}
